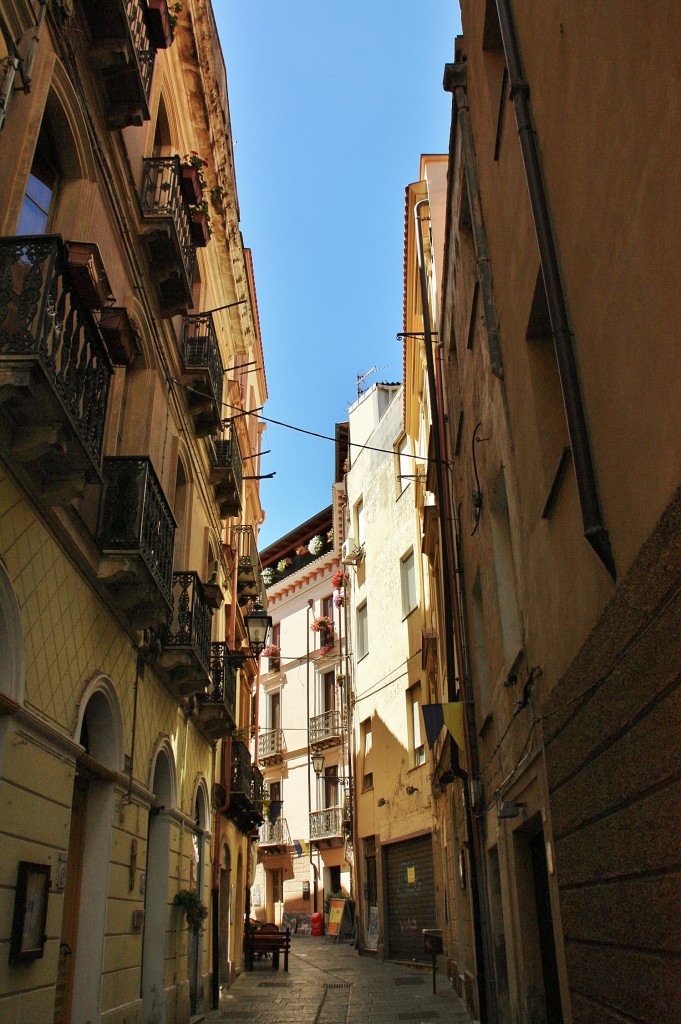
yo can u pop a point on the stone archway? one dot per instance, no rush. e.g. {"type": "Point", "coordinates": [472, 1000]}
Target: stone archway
{"type": "Point", "coordinates": [200, 845]}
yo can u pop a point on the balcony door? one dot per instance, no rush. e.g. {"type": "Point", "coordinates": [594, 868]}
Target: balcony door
{"type": "Point", "coordinates": [331, 787]}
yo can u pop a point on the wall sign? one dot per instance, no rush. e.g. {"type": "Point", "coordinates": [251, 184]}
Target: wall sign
{"type": "Point", "coordinates": [30, 912]}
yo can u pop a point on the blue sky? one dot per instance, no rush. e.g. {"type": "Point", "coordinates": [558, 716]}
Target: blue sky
{"type": "Point", "coordinates": [331, 106]}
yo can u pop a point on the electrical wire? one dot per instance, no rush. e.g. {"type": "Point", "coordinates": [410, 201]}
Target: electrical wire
{"type": "Point", "coordinates": [302, 430]}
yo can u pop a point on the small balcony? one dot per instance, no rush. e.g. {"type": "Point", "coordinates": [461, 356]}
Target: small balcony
{"type": "Point", "coordinates": [275, 838]}
{"type": "Point", "coordinates": [326, 730]}
{"type": "Point", "coordinates": [246, 787]}
{"type": "Point", "coordinates": [122, 54]}
{"type": "Point", "coordinates": [217, 707]}
{"type": "Point", "coordinates": [203, 373]}
{"type": "Point", "coordinates": [249, 578]}
{"type": "Point", "coordinates": [167, 234]}
{"type": "Point", "coordinates": [271, 747]}
{"type": "Point", "coordinates": [226, 475]}
{"type": "Point", "coordinates": [327, 827]}
{"type": "Point", "coordinates": [136, 534]}
{"type": "Point", "coordinates": [55, 372]}
{"type": "Point", "coordinates": [186, 655]}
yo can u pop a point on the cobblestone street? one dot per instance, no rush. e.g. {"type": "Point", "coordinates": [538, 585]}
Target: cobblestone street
{"type": "Point", "coordinates": [331, 984]}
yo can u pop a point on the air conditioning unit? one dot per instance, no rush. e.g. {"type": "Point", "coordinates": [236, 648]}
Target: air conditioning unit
{"type": "Point", "coordinates": [351, 553]}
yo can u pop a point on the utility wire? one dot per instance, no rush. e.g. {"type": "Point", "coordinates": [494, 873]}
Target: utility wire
{"type": "Point", "coordinates": [301, 430]}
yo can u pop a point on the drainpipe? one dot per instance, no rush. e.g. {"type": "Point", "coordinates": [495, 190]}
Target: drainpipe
{"type": "Point", "coordinates": [592, 519]}
{"type": "Point", "coordinates": [309, 777]}
{"type": "Point", "coordinates": [215, 889]}
{"type": "Point", "coordinates": [451, 615]}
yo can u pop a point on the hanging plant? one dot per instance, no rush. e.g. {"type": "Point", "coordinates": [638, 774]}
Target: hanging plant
{"type": "Point", "coordinates": [302, 550]}
{"type": "Point", "coordinates": [338, 579]}
{"type": "Point", "coordinates": [268, 576]}
{"type": "Point", "coordinates": [337, 598]}
{"type": "Point", "coordinates": [329, 537]}
{"type": "Point", "coordinates": [322, 624]}
{"type": "Point", "coordinates": [194, 910]}
{"type": "Point", "coordinates": [316, 545]}
{"type": "Point", "coordinates": [283, 564]}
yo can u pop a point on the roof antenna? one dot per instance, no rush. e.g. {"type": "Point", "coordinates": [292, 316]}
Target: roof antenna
{"type": "Point", "coordinates": [362, 377]}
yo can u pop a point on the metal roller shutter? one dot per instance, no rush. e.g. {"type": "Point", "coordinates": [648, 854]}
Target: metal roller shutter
{"type": "Point", "coordinates": [410, 897]}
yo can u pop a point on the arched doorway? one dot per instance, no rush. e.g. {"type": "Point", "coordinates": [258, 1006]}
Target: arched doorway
{"type": "Point", "coordinates": [197, 881]}
{"type": "Point", "coordinates": [156, 888]}
{"type": "Point", "coordinates": [225, 888]}
{"type": "Point", "coordinates": [99, 730]}
{"type": "Point", "coordinates": [238, 924]}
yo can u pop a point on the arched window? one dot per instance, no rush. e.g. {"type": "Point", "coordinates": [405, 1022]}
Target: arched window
{"type": "Point", "coordinates": [42, 185]}
{"type": "Point", "coordinates": [181, 512]}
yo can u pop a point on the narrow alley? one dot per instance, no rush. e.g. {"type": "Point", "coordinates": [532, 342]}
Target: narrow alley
{"type": "Point", "coordinates": [331, 984]}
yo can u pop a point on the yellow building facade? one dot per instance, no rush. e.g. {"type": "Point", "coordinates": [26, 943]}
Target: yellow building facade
{"type": "Point", "coordinates": [129, 339]}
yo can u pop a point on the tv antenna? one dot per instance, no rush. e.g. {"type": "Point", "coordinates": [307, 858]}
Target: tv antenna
{"type": "Point", "coordinates": [363, 376]}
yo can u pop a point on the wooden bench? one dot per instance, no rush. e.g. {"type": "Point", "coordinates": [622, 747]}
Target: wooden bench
{"type": "Point", "coordinates": [267, 940]}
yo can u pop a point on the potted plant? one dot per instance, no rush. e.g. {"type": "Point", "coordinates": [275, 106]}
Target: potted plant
{"type": "Point", "coordinates": [302, 550]}
{"type": "Point", "coordinates": [192, 181]}
{"type": "Point", "coordinates": [283, 564]}
{"type": "Point", "coordinates": [272, 653]}
{"type": "Point", "coordinates": [200, 226]}
{"type": "Point", "coordinates": [338, 579]}
{"type": "Point", "coordinates": [316, 545]}
{"type": "Point", "coordinates": [324, 626]}
{"type": "Point", "coordinates": [268, 576]}
{"type": "Point", "coordinates": [194, 910]}
{"type": "Point", "coordinates": [161, 22]}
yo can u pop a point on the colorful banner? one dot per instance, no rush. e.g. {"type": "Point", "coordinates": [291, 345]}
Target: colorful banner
{"type": "Point", "coordinates": [449, 715]}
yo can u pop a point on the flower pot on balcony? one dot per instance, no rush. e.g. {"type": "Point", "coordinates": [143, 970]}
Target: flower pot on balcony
{"type": "Point", "coordinates": [159, 24]}
{"type": "Point", "coordinates": [118, 335]}
{"type": "Point", "coordinates": [87, 275]}
{"type": "Point", "coordinates": [190, 183]}
{"type": "Point", "coordinates": [200, 229]}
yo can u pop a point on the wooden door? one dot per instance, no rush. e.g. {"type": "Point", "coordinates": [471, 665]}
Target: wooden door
{"type": "Point", "coordinates": [69, 924]}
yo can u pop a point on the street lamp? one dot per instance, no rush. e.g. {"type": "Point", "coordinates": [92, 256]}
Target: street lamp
{"type": "Point", "coordinates": [318, 765]}
{"type": "Point", "coordinates": [258, 624]}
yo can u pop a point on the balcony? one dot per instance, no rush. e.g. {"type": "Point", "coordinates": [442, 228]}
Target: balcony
{"type": "Point", "coordinates": [275, 838]}
{"type": "Point", "coordinates": [136, 533]}
{"type": "Point", "coordinates": [217, 708]}
{"type": "Point", "coordinates": [227, 474]}
{"type": "Point", "coordinates": [203, 373]}
{"type": "Point", "coordinates": [122, 54]}
{"type": "Point", "coordinates": [326, 730]}
{"type": "Point", "coordinates": [246, 786]}
{"type": "Point", "coordinates": [186, 655]}
{"type": "Point", "coordinates": [271, 747]}
{"type": "Point", "coordinates": [327, 827]}
{"type": "Point", "coordinates": [54, 372]}
{"type": "Point", "coordinates": [167, 234]}
{"type": "Point", "coordinates": [249, 578]}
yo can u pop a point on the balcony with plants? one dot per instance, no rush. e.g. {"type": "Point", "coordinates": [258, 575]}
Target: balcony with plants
{"type": "Point", "coordinates": [226, 473]}
{"type": "Point", "coordinates": [122, 52]}
{"type": "Point", "coordinates": [186, 654]}
{"type": "Point", "coordinates": [167, 233]}
{"type": "Point", "coordinates": [299, 557]}
{"type": "Point", "coordinates": [202, 373]}
{"type": "Point", "coordinates": [271, 747]}
{"type": "Point", "coordinates": [216, 706]}
{"type": "Point", "coordinates": [55, 370]}
{"type": "Point", "coordinates": [136, 535]}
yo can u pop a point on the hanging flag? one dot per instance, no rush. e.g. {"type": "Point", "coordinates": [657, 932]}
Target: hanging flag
{"type": "Point", "coordinates": [275, 810]}
{"type": "Point", "coordinates": [433, 719]}
{"type": "Point", "coordinates": [453, 716]}
{"type": "Point", "coordinates": [301, 847]}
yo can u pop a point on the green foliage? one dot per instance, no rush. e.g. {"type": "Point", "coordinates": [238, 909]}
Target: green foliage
{"type": "Point", "coordinates": [194, 910]}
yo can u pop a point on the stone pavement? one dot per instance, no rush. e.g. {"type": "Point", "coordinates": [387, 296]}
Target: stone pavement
{"type": "Point", "coordinates": [331, 984]}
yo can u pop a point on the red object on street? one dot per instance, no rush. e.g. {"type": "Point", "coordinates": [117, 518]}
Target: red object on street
{"type": "Point", "coordinates": [316, 924]}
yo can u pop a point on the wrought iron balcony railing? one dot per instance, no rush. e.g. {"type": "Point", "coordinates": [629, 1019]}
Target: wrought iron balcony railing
{"type": "Point", "coordinates": [249, 573]}
{"type": "Point", "coordinates": [55, 365]}
{"type": "Point", "coordinates": [223, 674]}
{"type": "Point", "coordinates": [119, 27]}
{"type": "Point", "coordinates": [326, 824]}
{"type": "Point", "coordinates": [271, 746]}
{"type": "Point", "coordinates": [227, 474]}
{"type": "Point", "coordinates": [136, 531]}
{"type": "Point", "coordinates": [326, 728]}
{"type": "Point", "coordinates": [203, 366]}
{"type": "Point", "coordinates": [276, 834]}
{"type": "Point", "coordinates": [170, 249]}
{"type": "Point", "coordinates": [241, 777]}
{"type": "Point", "coordinates": [188, 629]}
{"type": "Point", "coordinates": [257, 787]}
